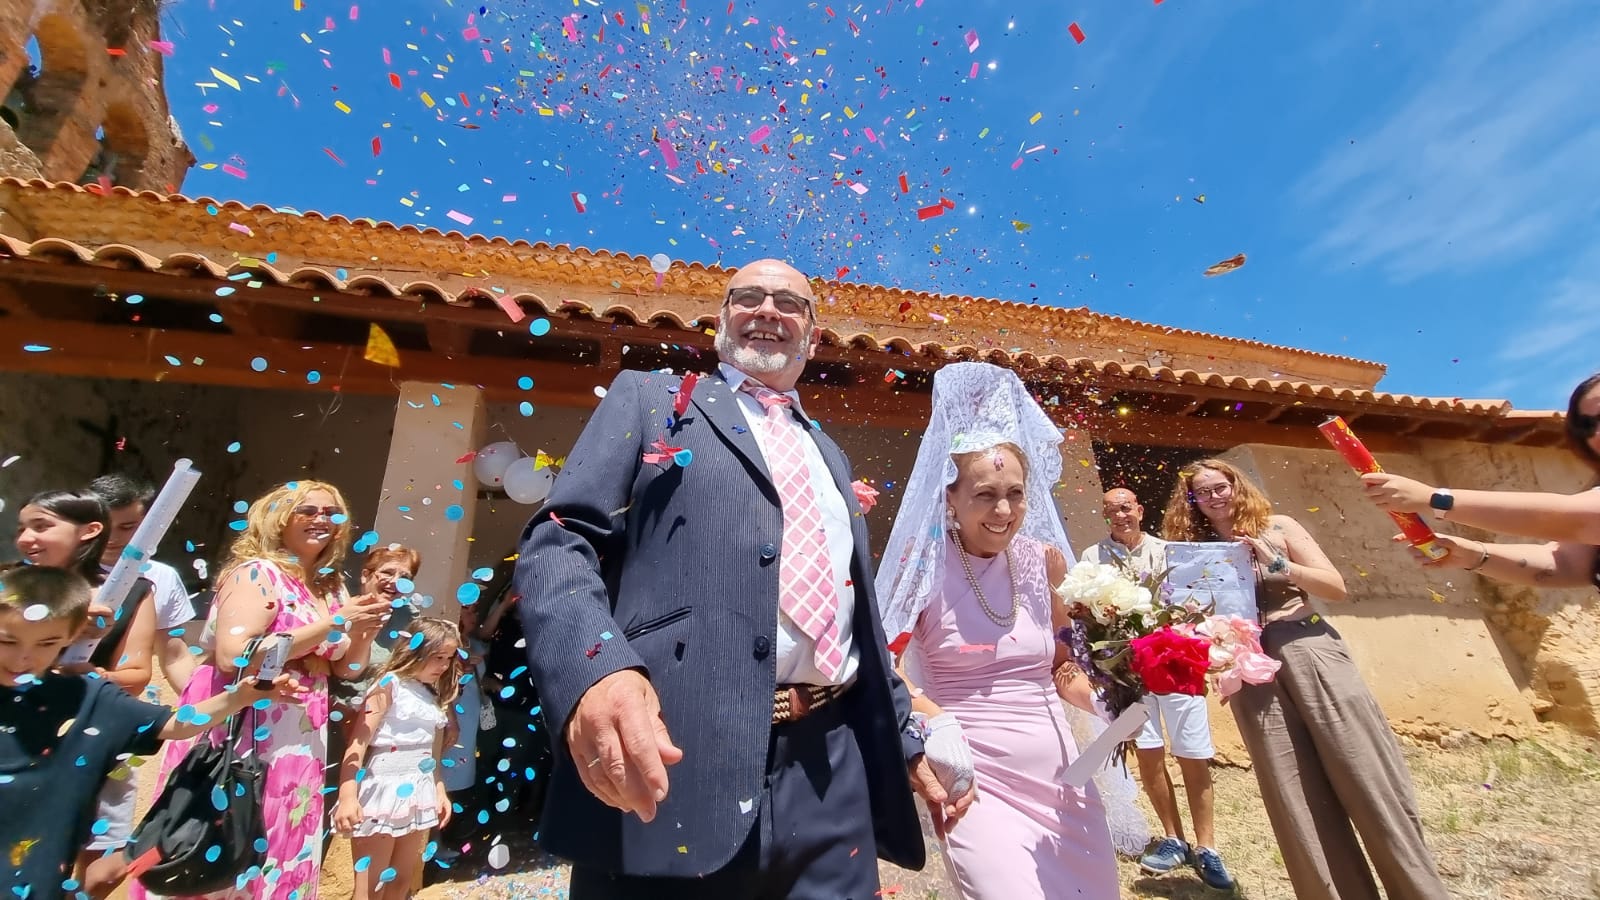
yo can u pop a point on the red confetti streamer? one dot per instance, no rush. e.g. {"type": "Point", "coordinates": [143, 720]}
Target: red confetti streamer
{"type": "Point", "coordinates": [680, 403]}
{"type": "Point", "coordinates": [394, 80]}
{"type": "Point", "coordinates": [947, 203]}
{"type": "Point", "coordinates": [578, 204]}
{"type": "Point", "coordinates": [377, 146]}
{"type": "Point", "coordinates": [334, 156]}
{"type": "Point", "coordinates": [928, 212]}
{"type": "Point", "coordinates": [1076, 32]}
{"type": "Point", "coordinates": [468, 456]}
{"type": "Point", "coordinates": [905, 187]}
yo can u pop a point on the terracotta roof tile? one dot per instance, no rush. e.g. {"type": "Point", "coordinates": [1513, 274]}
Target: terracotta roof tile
{"type": "Point", "coordinates": [407, 259]}
{"type": "Point", "coordinates": [673, 313]}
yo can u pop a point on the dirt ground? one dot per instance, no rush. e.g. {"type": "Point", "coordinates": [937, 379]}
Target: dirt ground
{"type": "Point", "coordinates": [1507, 821]}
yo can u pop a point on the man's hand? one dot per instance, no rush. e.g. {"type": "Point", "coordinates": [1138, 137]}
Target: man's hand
{"type": "Point", "coordinates": [944, 810]}
{"type": "Point", "coordinates": [620, 745]}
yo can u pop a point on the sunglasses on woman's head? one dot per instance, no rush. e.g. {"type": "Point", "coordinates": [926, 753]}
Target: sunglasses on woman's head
{"type": "Point", "coordinates": [311, 512]}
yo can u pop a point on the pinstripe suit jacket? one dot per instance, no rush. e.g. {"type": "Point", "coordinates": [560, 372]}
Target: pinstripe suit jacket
{"type": "Point", "coordinates": [674, 570]}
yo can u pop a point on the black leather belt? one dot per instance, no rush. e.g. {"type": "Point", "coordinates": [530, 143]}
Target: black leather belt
{"type": "Point", "coordinates": [793, 702]}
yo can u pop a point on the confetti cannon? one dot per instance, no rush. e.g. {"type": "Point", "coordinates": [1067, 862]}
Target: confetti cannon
{"type": "Point", "coordinates": [1416, 531]}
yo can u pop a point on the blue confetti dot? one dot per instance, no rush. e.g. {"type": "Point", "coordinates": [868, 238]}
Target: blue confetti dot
{"type": "Point", "coordinates": [525, 383]}
{"type": "Point", "coordinates": [386, 876]}
{"type": "Point", "coordinates": [234, 447]}
{"type": "Point", "coordinates": [36, 348]}
{"type": "Point", "coordinates": [240, 506]}
{"type": "Point", "coordinates": [260, 845]}
{"type": "Point", "coordinates": [213, 853]}
{"type": "Point", "coordinates": [225, 291]}
{"type": "Point", "coordinates": [215, 318]}
{"type": "Point", "coordinates": [219, 797]}
{"type": "Point", "coordinates": [313, 376]}
{"type": "Point", "coordinates": [259, 364]}
{"type": "Point", "coordinates": [100, 826]}
{"type": "Point", "coordinates": [454, 512]}
{"type": "Point", "coordinates": [416, 640]}
{"type": "Point", "coordinates": [468, 593]}
{"type": "Point", "coordinates": [363, 863]}
{"type": "Point", "coordinates": [427, 765]}
{"type": "Point", "coordinates": [133, 299]}
{"type": "Point", "coordinates": [683, 457]}
{"type": "Point", "coordinates": [483, 816]}
{"type": "Point", "coordinates": [239, 524]}
{"type": "Point", "coordinates": [405, 585]}
{"type": "Point", "coordinates": [539, 327]}
{"type": "Point", "coordinates": [483, 574]}
{"type": "Point", "coordinates": [525, 408]}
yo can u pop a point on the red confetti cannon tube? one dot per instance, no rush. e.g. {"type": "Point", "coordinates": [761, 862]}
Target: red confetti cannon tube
{"type": "Point", "coordinates": [1416, 531]}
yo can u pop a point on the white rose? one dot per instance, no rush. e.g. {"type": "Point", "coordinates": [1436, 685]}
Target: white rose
{"type": "Point", "coordinates": [1127, 598]}
{"type": "Point", "coordinates": [1089, 583]}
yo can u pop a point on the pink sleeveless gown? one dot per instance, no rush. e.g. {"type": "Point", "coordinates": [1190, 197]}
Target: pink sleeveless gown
{"type": "Point", "coordinates": [1028, 835]}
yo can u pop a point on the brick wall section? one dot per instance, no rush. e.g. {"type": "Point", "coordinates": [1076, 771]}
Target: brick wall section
{"type": "Point", "coordinates": [82, 86]}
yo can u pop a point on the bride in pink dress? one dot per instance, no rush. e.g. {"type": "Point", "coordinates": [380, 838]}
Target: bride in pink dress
{"type": "Point", "coordinates": [965, 586]}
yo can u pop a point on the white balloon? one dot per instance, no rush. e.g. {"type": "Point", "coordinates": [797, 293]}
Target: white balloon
{"type": "Point", "coordinates": [526, 484]}
{"type": "Point", "coordinates": [499, 856]}
{"type": "Point", "coordinates": [660, 263]}
{"type": "Point", "coordinates": [492, 461]}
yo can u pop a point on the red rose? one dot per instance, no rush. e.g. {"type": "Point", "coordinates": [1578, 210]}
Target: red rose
{"type": "Point", "coordinates": [1171, 663]}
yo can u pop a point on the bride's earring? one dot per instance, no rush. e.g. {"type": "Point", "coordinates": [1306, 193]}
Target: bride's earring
{"type": "Point", "coordinates": [950, 519]}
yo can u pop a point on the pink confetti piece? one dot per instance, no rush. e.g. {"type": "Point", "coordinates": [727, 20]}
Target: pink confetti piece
{"type": "Point", "coordinates": [569, 27]}
{"type": "Point", "coordinates": [668, 154]}
{"type": "Point", "coordinates": [871, 138]}
{"type": "Point", "coordinates": [233, 170]}
{"type": "Point", "coordinates": [1017, 165]}
{"type": "Point", "coordinates": [461, 217]}
{"type": "Point", "coordinates": [241, 228]}
{"type": "Point", "coordinates": [510, 307]}
{"type": "Point", "coordinates": [974, 73]}
{"type": "Point", "coordinates": [859, 188]}
{"type": "Point", "coordinates": [470, 34]}
{"type": "Point", "coordinates": [760, 134]}
{"type": "Point", "coordinates": [164, 48]}
{"type": "Point", "coordinates": [972, 42]}
{"type": "Point", "coordinates": [509, 198]}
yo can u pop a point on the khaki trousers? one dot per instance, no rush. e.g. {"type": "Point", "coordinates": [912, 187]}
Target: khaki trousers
{"type": "Point", "coordinates": [1329, 768]}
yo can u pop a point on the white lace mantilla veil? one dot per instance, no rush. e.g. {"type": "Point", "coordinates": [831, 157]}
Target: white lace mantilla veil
{"type": "Point", "coordinates": [976, 406]}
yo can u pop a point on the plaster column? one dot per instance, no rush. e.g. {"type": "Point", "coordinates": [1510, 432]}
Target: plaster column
{"type": "Point", "coordinates": [1078, 495]}
{"type": "Point", "coordinates": [423, 484]}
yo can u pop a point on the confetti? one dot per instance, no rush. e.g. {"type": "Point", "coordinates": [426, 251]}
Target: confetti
{"type": "Point", "coordinates": [1226, 266]}
{"type": "Point", "coordinates": [380, 349]}
{"type": "Point", "coordinates": [1076, 32]}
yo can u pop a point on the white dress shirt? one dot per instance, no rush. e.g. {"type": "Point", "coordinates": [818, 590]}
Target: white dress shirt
{"type": "Point", "coordinates": [797, 652]}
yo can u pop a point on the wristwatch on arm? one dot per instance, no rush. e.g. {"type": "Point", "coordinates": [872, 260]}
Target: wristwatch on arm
{"type": "Point", "coordinates": [1442, 501]}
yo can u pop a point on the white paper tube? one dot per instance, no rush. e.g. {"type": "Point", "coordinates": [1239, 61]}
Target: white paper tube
{"type": "Point", "coordinates": [1093, 757]}
{"type": "Point", "coordinates": [157, 519]}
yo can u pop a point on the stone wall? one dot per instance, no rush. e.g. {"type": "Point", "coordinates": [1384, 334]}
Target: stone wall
{"type": "Point", "coordinates": [81, 87]}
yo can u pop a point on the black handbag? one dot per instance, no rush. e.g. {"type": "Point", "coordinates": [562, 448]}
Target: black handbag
{"type": "Point", "coordinates": [206, 827]}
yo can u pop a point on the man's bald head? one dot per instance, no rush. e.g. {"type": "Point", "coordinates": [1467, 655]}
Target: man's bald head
{"type": "Point", "coordinates": [1124, 516]}
{"type": "Point", "coordinates": [767, 327]}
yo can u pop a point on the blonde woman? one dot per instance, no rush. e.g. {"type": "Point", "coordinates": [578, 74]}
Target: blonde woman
{"type": "Point", "coordinates": [283, 576]}
{"type": "Point", "coordinates": [1328, 765]}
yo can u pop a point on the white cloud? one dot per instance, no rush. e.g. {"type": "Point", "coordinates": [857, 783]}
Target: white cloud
{"type": "Point", "coordinates": [1560, 344]}
{"type": "Point", "coordinates": [1485, 160]}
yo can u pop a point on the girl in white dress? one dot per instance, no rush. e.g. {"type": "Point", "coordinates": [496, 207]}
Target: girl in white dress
{"type": "Point", "coordinates": [389, 807]}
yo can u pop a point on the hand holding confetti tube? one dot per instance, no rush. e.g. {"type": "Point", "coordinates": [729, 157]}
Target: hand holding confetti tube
{"type": "Point", "coordinates": [1416, 531]}
{"type": "Point", "coordinates": [120, 580]}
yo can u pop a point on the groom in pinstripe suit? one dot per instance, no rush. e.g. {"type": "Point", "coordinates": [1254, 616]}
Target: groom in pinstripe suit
{"type": "Point", "coordinates": [714, 617]}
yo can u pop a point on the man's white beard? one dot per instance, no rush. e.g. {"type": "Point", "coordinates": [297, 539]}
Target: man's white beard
{"type": "Point", "coordinates": [749, 359]}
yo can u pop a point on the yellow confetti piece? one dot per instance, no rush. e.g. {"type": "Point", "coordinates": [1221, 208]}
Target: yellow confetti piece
{"type": "Point", "coordinates": [341, 106]}
{"type": "Point", "coordinates": [1035, 119]}
{"type": "Point", "coordinates": [984, 133]}
{"type": "Point", "coordinates": [1435, 595]}
{"type": "Point", "coordinates": [849, 113]}
{"type": "Point", "coordinates": [380, 349]}
{"type": "Point", "coordinates": [427, 100]}
{"type": "Point", "coordinates": [225, 78]}
{"type": "Point", "coordinates": [1313, 509]}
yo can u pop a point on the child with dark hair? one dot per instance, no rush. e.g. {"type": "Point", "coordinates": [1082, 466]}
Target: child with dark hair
{"type": "Point", "coordinates": [61, 734]}
{"type": "Point", "coordinates": [69, 530]}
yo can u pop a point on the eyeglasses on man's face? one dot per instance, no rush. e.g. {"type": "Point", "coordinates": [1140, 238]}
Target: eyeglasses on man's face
{"type": "Point", "coordinates": [749, 299]}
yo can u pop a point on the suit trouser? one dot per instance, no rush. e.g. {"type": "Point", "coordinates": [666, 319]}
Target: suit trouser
{"type": "Point", "coordinates": [1329, 767]}
{"type": "Point", "coordinates": [813, 839]}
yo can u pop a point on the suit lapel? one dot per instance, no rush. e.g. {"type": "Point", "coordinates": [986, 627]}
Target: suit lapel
{"type": "Point", "coordinates": [837, 467]}
{"type": "Point", "coordinates": [721, 408]}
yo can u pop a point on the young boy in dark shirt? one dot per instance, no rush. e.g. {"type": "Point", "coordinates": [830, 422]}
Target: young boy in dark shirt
{"type": "Point", "coordinates": [61, 734]}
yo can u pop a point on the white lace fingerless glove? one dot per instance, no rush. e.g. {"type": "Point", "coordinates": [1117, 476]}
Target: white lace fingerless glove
{"type": "Point", "coordinates": [949, 754]}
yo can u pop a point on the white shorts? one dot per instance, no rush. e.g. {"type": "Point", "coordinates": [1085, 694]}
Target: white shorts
{"type": "Point", "coordinates": [113, 825]}
{"type": "Point", "coordinates": [1188, 726]}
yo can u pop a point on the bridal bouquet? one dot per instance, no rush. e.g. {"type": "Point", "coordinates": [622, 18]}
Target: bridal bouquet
{"type": "Point", "coordinates": [1126, 643]}
{"type": "Point", "coordinates": [1131, 640]}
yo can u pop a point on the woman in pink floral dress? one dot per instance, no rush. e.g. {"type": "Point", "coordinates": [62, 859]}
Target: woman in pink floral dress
{"type": "Point", "coordinates": [283, 575]}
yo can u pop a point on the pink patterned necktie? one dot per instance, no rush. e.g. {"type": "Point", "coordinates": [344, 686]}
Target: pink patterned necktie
{"type": "Point", "coordinates": [806, 591]}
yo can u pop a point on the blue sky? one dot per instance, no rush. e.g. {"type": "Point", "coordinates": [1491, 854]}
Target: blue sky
{"type": "Point", "coordinates": [1412, 183]}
